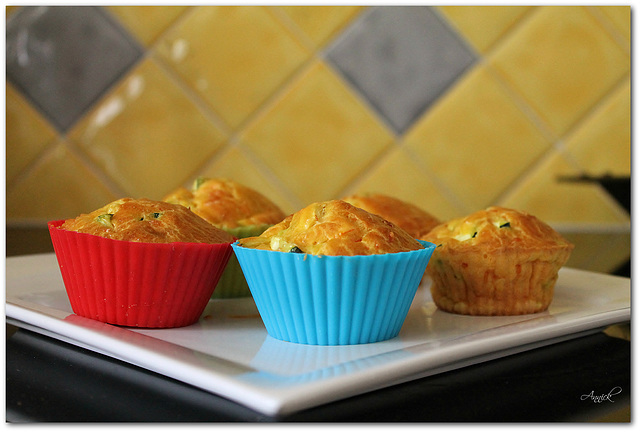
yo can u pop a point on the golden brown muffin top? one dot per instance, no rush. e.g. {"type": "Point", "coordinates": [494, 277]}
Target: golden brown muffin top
{"type": "Point", "coordinates": [147, 221]}
{"type": "Point", "coordinates": [227, 204]}
{"type": "Point", "coordinates": [407, 216]}
{"type": "Point", "coordinates": [496, 228]}
{"type": "Point", "coordinates": [334, 228]}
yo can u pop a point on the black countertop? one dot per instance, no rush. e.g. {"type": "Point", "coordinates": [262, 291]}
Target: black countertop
{"type": "Point", "coordinates": [51, 381]}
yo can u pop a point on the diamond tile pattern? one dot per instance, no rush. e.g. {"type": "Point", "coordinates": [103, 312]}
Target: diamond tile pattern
{"type": "Point", "coordinates": [320, 23]}
{"type": "Point", "coordinates": [147, 22]}
{"type": "Point", "coordinates": [63, 57]}
{"type": "Point", "coordinates": [400, 175]}
{"type": "Point", "coordinates": [561, 64]}
{"type": "Point", "coordinates": [401, 59]}
{"type": "Point", "coordinates": [462, 141]}
{"type": "Point", "coordinates": [59, 170]}
{"type": "Point", "coordinates": [27, 133]}
{"type": "Point", "coordinates": [484, 25]}
{"type": "Point", "coordinates": [449, 107]}
{"type": "Point", "coordinates": [318, 137]}
{"type": "Point", "coordinates": [234, 57]}
{"type": "Point", "coordinates": [178, 137]}
{"type": "Point", "coordinates": [580, 202]}
{"type": "Point", "coordinates": [611, 124]}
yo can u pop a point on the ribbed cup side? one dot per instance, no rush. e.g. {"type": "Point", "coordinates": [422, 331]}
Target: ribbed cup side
{"type": "Point", "coordinates": [232, 283]}
{"type": "Point", "coordinates": [333, 300]}
{"type": "Point", "coordinates": [159, 285]}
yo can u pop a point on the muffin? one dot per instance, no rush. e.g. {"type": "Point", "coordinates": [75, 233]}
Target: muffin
{"type": "Point", "coordinates": [497, 261]}
{"type": "Point", "coordinates": [407, 216]}
{"type": "Point", "coordinates": [235, 208]}
{"type": "Point", "coordinates": [140, 263]}
{"type": "Point", "coordinates": [226, 204]}
{"type": "Point", "coordinates": [333, 274]}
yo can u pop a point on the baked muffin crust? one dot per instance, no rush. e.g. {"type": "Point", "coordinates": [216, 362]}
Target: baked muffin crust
{"type": "Point", "coordinates": [496, 261]}
{"type": "Point", "coordinates": [496, 229]}
{"type": "Point", "coordinates": [407, 216]}
{"type": "Point", "coordinates": [334, 228]}
{"type": "Point", "coordinates": [227, 204]}
{"type": "Point", "coordinates": [147, 221]}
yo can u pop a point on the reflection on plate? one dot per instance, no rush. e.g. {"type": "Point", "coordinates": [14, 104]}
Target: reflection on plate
{"type": "Point", "coordinates": [229, 353]}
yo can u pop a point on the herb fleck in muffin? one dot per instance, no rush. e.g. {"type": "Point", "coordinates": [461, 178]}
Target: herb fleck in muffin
{"type": "Point", "coordinates": [147, 221]}
{"type": "Point", "coordinates": [334, 228]}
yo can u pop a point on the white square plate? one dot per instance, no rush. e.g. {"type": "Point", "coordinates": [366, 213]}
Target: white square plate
{"type": "Point", "coordinates": [229, 353]}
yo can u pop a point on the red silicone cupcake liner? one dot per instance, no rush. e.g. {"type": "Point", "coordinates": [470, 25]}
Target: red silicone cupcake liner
{"type": "Point", "coordinates": [154, 285]}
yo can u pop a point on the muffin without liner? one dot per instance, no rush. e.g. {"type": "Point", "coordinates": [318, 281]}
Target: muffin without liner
{"type": "Point", "coordinates": [496, 261]}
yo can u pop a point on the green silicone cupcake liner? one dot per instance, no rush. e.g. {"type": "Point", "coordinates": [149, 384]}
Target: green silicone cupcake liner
{"type": "Point", "coordinates": [232, 283]}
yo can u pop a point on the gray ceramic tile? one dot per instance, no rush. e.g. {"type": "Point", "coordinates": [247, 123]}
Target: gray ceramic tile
{"type": "Point", "coordinates": [401, 58]}
{"type": "Point", "coordinates": [64, 57]}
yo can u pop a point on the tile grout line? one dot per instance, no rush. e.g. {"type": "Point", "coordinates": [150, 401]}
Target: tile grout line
{"type": "Point", "coordinates": [234, 135]}
{"type": "Point", "coordinates": [273, 178]}
{"type": "Point", "coordinates": [62, 137]}
{"type": "Point", "coordinates": [35, 162]}
{"type": "Point", "coordinates": [557, 147]}
{"type": "Point", "coordinates": [233, 140]}
{"type": "Point", "coordinates": [609, 27]}
{"type": "Point", "coordinates": [88, 162]}
{"type": "Point", "coordinates": [359, 177]}
{"type": "Point", "coordinates": [594, 109]}
{"type": "Point", "coordinates": [526, 174]}
{"type": "Point", "coordinates": [291, 27]}
{"type": "Point", "coordinates": [200, 103]}
{"type": "Point", "coordinates": [346, 82]}
{"type": "Point", "coordinates": [446, 192]}
{"type": "Point", "coordinates": [317, 57]}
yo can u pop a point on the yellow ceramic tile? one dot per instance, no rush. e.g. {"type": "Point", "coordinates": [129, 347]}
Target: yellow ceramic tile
{"type": "Point", "coordinates": [318, 137]}
{"type": "Point", "coordinates": [235, 165]}
{"type": "Point", "coordinates": [620, 17]}
{"type": "Point", "coordinates": [587, 245]}
{"type": "Point", "coordinates": [614, 254]}
{"type": "Point", "coordinates": [321, 22]}
{"type": "Point", "coordinates": [27, 133]}
{"type": "Point", "coordinates": [147, 22]}
{"type": "Point", "coordinates": [59, 187]}
{"type": "Point", "coordinates": [476, 141]}
{"type": "Point", "coordinates": [146, 135]}
{"type": "Point", "coordinates": [483, 25]}
{"type": "Point", "coordinates": [602, 144]}
{"type": "Point", "coordinates": [234, 56]}
{"type": "Point", "coordinates": [598, 251]}
{"type": "Point", "coordinates": [398, 175]}
{"type": "Point", "coordinates": [562, 61]}
{"type": "Point", "coordinates": [554, 201]}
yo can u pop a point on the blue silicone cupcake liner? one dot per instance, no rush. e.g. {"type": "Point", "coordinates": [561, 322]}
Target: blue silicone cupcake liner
{"type": "Point", "coordinates": [333, 300]}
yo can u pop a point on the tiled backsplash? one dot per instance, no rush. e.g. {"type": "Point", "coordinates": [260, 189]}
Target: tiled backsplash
{"type": "Point", "coordinates": [453, 108]}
